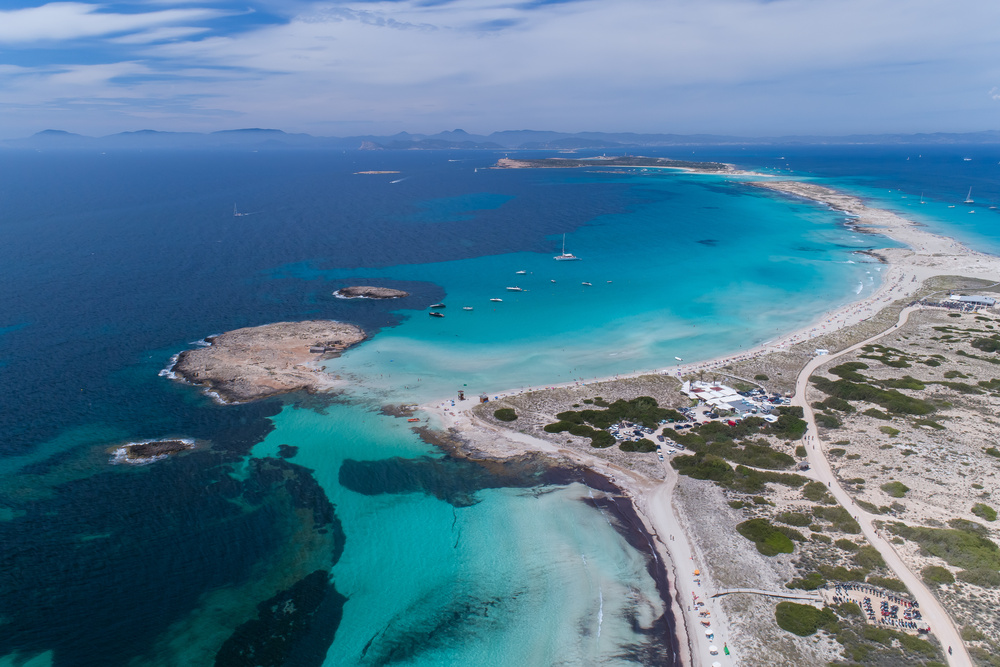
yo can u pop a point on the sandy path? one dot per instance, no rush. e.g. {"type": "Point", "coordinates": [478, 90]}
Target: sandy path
{"type": "Point", "coordinates": [941, 624]}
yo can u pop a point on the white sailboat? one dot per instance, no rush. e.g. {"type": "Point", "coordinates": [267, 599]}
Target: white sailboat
{"type": "Point", "coordinates": [968, 198]}
{"type": "Point", "coordinates": [565, 256]}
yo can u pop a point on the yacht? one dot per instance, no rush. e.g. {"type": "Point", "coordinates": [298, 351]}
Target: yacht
{"type": "Point", "coordinates": [466, 307]}
{"type": "Point", "coordinates": [436, 314]}
{"type": "Point", "coordinates": [496, 300]}
{"type": "Point", "coordinates": [565, 256]}
{"type": "Point", "coordinates": [520, 273]}
{"type": "Point", "coordinates": [438, 305]}
{"type": "Point", "coordinates": [515, 289]}
{"type": "Point", "coordinates": [586, 283]}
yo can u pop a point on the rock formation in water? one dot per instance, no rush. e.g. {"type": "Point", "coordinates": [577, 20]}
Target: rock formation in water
{"type": "Point", "coordinates": [257, 362]}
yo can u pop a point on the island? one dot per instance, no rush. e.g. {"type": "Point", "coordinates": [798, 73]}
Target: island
{"type": "Point", "coordinates": [369, 292]}
{"type": "Point", "coordinates": [140, 453]}
{"type": "Point", "coordinates": [627, 161]}
{"type": "Point", "coordinates": [259, 362]}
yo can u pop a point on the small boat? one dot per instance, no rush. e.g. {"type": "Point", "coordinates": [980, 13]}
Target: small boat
{"type": "Point", "coordinates": [678, 359]}
{"type": "Point", "coordinates": [565, 256]}
{"type": "Point", "coordinates": [413, 419]}
{"type": "Point", "coordinates": [552, 281]}
{"type": "Point", "coordinates": [971, 211]}
{"type": "Point", "coordinates": [514, 289]}
{"type": "Point", "coordinates": [609, 282]}
{"type": "Point", "coordinates": [466, 307]}
{"type": "Point", "coordinates": [585, 283]}
{"type": "Point", "coordinates": [436, 314]}
{"type": "Point", "coordinates": [968, 198]}
{"type": "Point", "coordinates": [438, 305]}
{"type": "Point", "coordinates": [496, 300]}
{"type": "Point", "coordinates": [520, 273]}
{"type": "Point", "coordinates": [951, 206]}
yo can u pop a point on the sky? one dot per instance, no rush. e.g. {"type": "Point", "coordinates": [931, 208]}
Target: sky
{"type": "Point", "coordinates": [344, 68]}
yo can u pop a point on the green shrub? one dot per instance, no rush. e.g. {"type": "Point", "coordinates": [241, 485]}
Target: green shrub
{"type": "Point", "coordinates": [972, 634]}
{"type": "Point", "coordinates": [601, 439]}
{"type": "Point", "coordinates": [889, 399]}
{"type": "Point", "coordinates": [951, 375]}
{"type": "Point", "coordinates": [737, 504]}
{"type": "Point", "coordinates": [816, 492]}
{"type": "Point", "coordinates": [819, 537]}
{"type": "Point", "coordinates": [794, 519]}
{"type": "Point", "coordinates": [992, 451]}
{"type": "Point", "coordinates": [888, 583]}
{"type": "Point", "coordinates": [767, 538]}
{"type": "Point", "coordinates": [840, 518]}
{"type": "Point", "coordinates": [984, 511]}
{"type": "Point", "coordinates": [895, 489]}
{"type": "Point", "coordinates": [558, 427]}
{"type": "Point", "coordinates": [791, 533]}
{"type": "Point", "coordinates": [905, 382]}
{"type": "Point", "coordinates": [505, 414]}
{"type": "Point", "coordinates": [790, 424]}
{"type": "Point", "coordinates": [846, 609]}
{"type": "Point", "coordinates": [991, 344]}
{"type": "Point", "coordinates": [847, 545]}
{"type": "Point", "coordinates": [935, 574]}
{"type": "Point", "coordinates": [827, 421]}
{"type": "Point", "coordinates": [801, 619]}
{"type": "Point", "coordinates": [810, 582]}
{"type": "Point", "coordinates": [800, 451]}
{"type": "Point", "coordinates": [872, 508]}
{"type": "Point", "coordinates": [889, 431]}
{"type": "Point", "coordinates": [964, 544]}
{"type": "Point", "coordinates": [877, 414]}
{"type": "Point", "coordinates": [642, 410]}
{"type": "Point", "coordinates": [868, 558]}
{"type": "Point", "coordinates": [840, 573]}
{"type": "Point", "coordinates": [980, 576]}
{"type": "Point", "coordinates": [760, 377]}
{"type": "Point", "coordinates": [916, 645]}
{"type": "Point", "coordinates": [581, 430]}
{"type": "Point", "coordinates": [834, 403]}
{"type": "Point", "coordinates": [837, 451]}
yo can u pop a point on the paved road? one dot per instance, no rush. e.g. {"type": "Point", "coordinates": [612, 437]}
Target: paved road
{"type": "Point", "coordinates": [931, 610]}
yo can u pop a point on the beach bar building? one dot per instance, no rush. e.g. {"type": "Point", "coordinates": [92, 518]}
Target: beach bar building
{"type": "Point", "coordinates": [977, 301]}
{"type": "Point", "coordinates": [717, 395]}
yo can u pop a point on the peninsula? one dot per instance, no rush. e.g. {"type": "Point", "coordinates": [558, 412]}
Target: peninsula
{"type": "Point", "coordinates": [259, 362]}
{"type": "Point", "coordinates": [627, 161]}
{"type": "Point", "coordinates": [824, 480]}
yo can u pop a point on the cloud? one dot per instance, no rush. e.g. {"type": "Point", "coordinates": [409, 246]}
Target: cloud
{"type": "Point", "coordinates": [159, 35]}
{"type": "Point", "coordinates": [647, 65]}
{"type": "Point", "coordinates": [72, 20]}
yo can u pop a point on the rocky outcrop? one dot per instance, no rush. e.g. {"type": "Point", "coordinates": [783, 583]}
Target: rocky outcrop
{"type": "Point", "coordinates": [258, 362]}
{"type": "Point", "coordinates": [369, 292]}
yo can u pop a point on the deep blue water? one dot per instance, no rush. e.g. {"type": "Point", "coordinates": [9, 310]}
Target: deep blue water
{"type": "Point", "coordinates": [113, 263]}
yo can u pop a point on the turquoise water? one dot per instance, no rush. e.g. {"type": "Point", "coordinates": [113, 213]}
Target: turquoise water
{"type": "Point", "coordinates": [703, 266]}
{"type": "Point", "coordinates": [430, 560]}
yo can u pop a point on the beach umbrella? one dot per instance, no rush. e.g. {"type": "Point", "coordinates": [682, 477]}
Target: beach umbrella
{"type": "Point", "coordinates": [716, 664]}
{"type": "Point", "coordinates": [708, 632]}
{"type": "Point", "coordinates": [713, 650]}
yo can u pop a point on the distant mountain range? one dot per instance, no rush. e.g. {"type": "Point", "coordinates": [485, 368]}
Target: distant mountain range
{"type": "Point", "coordinates": [256, 138]}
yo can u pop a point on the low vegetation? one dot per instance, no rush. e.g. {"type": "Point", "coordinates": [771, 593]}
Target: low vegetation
{"type": "Point", "coordinates": [505, 414]}
{"type": "Point", "coordinates": [963, 544]}
{"type": "Point", "coordinates": [802, 619]}
{"type": "Point", "coordinates": [895, 489]}
{"type": "Point", "coordinates": [935, 574]}
{"type": "Point", "coordinates": [768, 539]}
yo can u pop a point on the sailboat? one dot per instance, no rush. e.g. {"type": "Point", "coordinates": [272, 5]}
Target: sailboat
{"type": "Point", "coordinates": [236, 213]}
{"type": "Point", "coordinates": [968, 198]}
{"type": "Point", "coordinates": [565, 256]}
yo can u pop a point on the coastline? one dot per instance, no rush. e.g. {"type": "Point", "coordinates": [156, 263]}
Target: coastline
{"type": "Point", "coordinates": [924, 256]}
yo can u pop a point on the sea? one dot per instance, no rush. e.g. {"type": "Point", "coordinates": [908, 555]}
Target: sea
{"type": "Point", "coordinates": [324, 530]}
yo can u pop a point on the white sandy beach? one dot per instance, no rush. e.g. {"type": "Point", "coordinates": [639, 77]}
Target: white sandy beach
{"type": "Point", "coordinates": [925, 255]}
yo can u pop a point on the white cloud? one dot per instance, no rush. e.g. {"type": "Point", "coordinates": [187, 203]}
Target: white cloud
{"type": "Point", "coordinates": [645, 65]}
{"type": "Point", "coordinates": [71, 20]}
{"type": "Point", "coordinates": [159, 35]}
